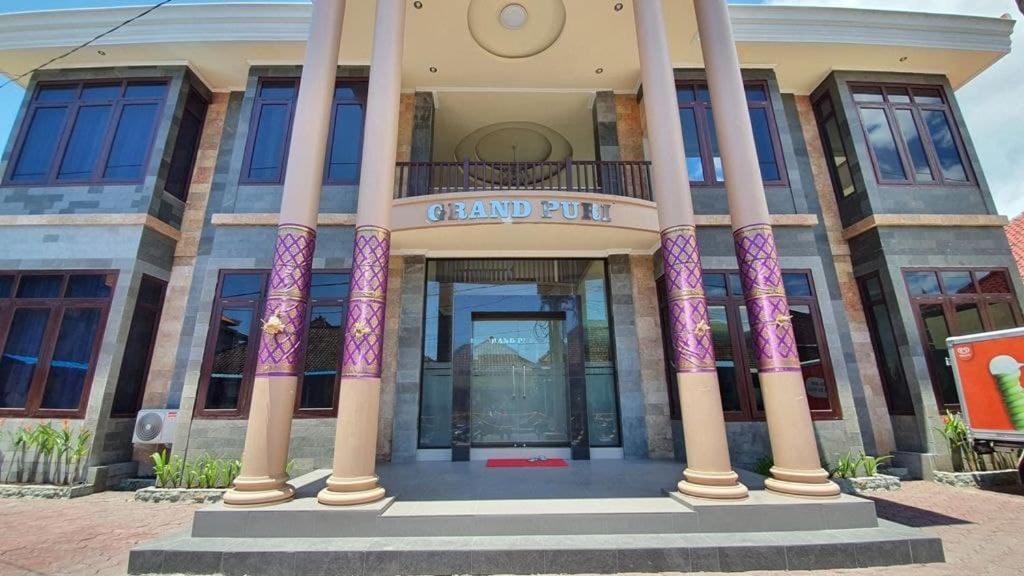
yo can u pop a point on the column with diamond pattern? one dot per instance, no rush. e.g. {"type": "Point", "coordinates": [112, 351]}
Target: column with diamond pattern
{"type": "Point", "coordinates": [263, 479]}
{"type": "Point", "coordinates": [709, 472]}
{"type": "Point", "coordinates": [797, 469]}
{"type": "Point", "coordinates": [353, 479]}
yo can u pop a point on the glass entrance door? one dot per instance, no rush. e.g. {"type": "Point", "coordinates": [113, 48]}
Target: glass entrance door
{"type": "Point", "coordinates": [518, 388]}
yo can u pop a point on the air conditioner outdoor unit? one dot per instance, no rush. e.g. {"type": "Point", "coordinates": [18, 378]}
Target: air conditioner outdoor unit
{"type": "Point", "coordinates": [155, 427]}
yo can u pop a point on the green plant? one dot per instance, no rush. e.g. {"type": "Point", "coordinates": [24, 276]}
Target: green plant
{"type": "Point", "coordinates": [871, 463]}
{"type": "Point", "coordinates": [846, 466]}
{"type": "Point", "coordinates": [289, 467]}
{"type": "Point", "coordinates": [62, 444]}
{"type": "Point", "coordinates": [954, 430]}
{"type": "Point", "coordinates": [79, 450]}
{"type": "Point", "coordinates": [168, 471]}
{"type": "Point", "coordinates": [764, 464]}
{"type": "Point", "coordinates": [45, 439]}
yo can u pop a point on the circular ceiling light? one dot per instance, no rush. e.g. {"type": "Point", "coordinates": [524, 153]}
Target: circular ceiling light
{"type": "Point", "coordinates": [516, 28]}
{"type": "Point", "coordinates": [513, 16]}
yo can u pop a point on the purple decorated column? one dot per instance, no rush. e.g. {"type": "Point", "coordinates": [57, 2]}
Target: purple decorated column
{"type": "Point", "coordinates": [354, 480]}
{"type": "Point", "coordinates": [709, 472]}
{"type": "Point", "coordinates": [279, 357]}
{"type": "Point", "coordinates": [797, 469]}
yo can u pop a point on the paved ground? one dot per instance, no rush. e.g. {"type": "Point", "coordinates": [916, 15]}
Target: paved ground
{"type": "Point", "coordinates": [981, 531]}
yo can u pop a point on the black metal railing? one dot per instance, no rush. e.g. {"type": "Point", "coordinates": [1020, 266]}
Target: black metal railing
{"type": "Point", "coordinates": [626, 178]}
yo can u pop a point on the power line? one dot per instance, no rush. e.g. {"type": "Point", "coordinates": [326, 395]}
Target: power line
{"type": "Point", "coordinates": [88, 42]}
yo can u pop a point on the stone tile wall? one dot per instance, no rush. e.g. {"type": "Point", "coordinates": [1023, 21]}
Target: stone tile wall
{"type": "Point", "coordinates": [651, 357]}
{"type": "Point", "coordinates": [628, 114]}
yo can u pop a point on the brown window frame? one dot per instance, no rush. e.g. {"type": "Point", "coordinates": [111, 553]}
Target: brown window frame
{"type": "Point", "coordinates": [140, 388]}
{"type": "Point", "coordinates": [915, 109]}
{"type": "Point", "coordinates": [948, 303]}
{"type": "Point", "coordinates": [248, 375]}
{"type": "Point", "coordinates": [57, 307]}
{"type": "Point", "coordinates": [254, 115]}
{"type": "Point", "coordinates": [73, 106]}
{"type": "Point", "coordinates": [732, 301]}
{"type": "Point", "coordinates": [873, 331]}
{"type": "Point", "coordinates": [826, 144]}
{"type": "Point", "coordinates": [703, 108]}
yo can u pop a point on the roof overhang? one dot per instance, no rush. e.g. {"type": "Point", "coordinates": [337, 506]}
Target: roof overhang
{"type": "Point", "coordinates": [221, 41]}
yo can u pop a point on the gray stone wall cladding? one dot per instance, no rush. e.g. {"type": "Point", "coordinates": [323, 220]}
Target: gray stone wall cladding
{"type": "Point", "coordinates": [632, 401]}
{"type": "Point", "coordinates": [889, 251]}
{"type": "Point", "coordinates": [146, 197]}
{"type": "Point", "coordinates": [874, 198]}
{"type": "Point", "coordinates": [248, 247]}
{"type": "Point", "coordinates": [405, 439]}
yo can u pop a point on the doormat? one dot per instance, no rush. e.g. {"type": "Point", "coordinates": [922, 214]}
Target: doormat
{"type": "Point", "coordinates": [527, 463]}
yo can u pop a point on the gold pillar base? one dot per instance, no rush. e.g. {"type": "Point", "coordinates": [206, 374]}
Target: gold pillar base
{"type": "Point", "coordinates": [350, 491]}
{"type": "Point", "coordinates": [259, 492]}
{"type": "Point", "coordinates": [712, 485]}
{"type": "Point", "coordinates": [804, 483]}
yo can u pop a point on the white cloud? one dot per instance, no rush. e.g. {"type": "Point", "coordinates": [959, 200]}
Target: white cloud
{"type": "Point", "coordinates": [991, 103]}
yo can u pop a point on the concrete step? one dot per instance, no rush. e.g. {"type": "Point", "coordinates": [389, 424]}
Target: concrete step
{"type": "Point", "coordinates": [762, 511]}
{"type": "Point", "coordinates": [888, 544]}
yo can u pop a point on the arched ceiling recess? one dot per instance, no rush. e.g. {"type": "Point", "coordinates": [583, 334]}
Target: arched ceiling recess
{"type": "Point", "coordinates": [502, 144]}
{"type": "Point", "coordinates": [516, 29]}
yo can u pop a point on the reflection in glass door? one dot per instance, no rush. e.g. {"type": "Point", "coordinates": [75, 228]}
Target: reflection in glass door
{"type": "Point", "coordinates": [518, 390]}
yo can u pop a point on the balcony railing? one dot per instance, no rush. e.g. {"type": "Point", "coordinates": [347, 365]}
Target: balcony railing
{"type": "Point", "coordinates": [631, 179]}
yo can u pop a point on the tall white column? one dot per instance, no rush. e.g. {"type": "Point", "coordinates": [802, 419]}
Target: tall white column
{"type": "Point", "coordinates": [263, 478]}
{"type": "Point", "coordinates": [709, 472]}
{"type": "Point", "coordinates": [797, 468]}
{"type": "Point", "coordinates": [354, 479]}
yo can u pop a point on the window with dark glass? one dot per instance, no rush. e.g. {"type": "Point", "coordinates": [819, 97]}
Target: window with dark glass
{"type": "Point", "coordinates": [703, 159]}
{"type": "Point", "coordinates": [736, 364]}
{"type": "Point", "coordinates": [230, 363]}
{"type": "Point", "coordinates": [883, 339]}
{"type": "Point", "coordinates": [271, 126]}
{"type": "Point", "coordinates": [958, 302]}
{"type": "Point", "coordinates": [138, 351]}
{"type": "Point", "coordinates": [911, 134]}
{"type": "Point", "coordinates": [50, 331]}
{"type": "Point", "coordinates": [836, 155]}
{"type": "Point", "coordinates": [186, 146]}
{"type": "Point", "coordinates": [87, 132]}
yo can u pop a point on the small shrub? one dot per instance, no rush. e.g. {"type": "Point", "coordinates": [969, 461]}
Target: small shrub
{"type": "Point", "coordinates": [764, 464]}
{"type": "Point", "coordinates": [871, 463]}
{"type": "Point", "coordinates": [846, 466]}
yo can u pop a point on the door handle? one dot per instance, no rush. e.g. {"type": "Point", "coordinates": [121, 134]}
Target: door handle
{"type": "Point", "coordinates": [514, 390]}
{"type": "Point", "coordinates": [524, 381]}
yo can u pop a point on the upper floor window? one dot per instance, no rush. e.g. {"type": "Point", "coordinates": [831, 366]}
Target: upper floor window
{"type": "Point", "coordinates": [911, 134]}
{"type": "Point", "coordinates": [270, 131]}
{"type": "Point", "coordinates": [230, 364]}
{"type": "Point", "coordinates": [186, 146]}
{"type": "Point", "coordinates": [703, 159]}
{"type": "Point", "coordinates": [87, 132]}
{"type": "Point", "coordinates": [837, 157]}
{"type": "Point", "coordinates": [738, 377]}
{"type": "Point", "coordinates": [51, 326]}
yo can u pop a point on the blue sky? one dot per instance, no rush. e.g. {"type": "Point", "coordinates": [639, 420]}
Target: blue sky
{"type": "Point", "coordinates": [991, 102]}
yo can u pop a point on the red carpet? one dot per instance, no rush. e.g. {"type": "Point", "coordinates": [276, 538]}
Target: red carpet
{"type": "Point", "coordinates": [526, 463]}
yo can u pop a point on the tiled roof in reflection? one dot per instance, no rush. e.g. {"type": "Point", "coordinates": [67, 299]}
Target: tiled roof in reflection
{"type": "Point", "coordinates": [1015, 233]}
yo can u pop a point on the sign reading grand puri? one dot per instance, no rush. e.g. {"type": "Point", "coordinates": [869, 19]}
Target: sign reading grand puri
{"type": "Point", "coordinates": [512, 210]}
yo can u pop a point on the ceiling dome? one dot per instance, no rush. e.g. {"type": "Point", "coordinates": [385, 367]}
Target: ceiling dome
{"type": "Point", "coordinates": [516, 29]}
